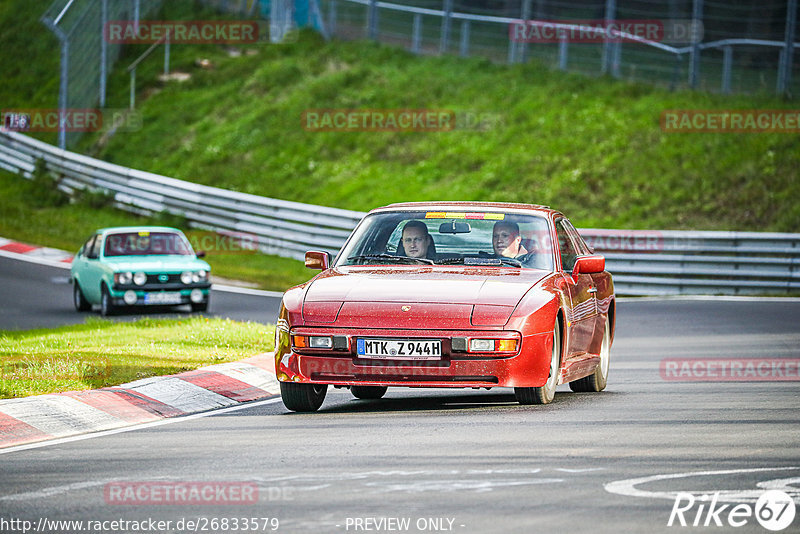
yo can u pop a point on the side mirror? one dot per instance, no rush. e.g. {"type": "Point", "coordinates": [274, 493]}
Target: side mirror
{"type": "Point", "coordinates": [589, 264]}
{"type": "Point", "coordinates": [318, 260]}
{"type": "Point", "coordinates": [200, 254]}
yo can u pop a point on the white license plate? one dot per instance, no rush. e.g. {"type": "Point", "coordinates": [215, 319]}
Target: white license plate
{"type": "Point", "coordinates": [397, 349]}
{"type": "Point", "coordinates": [164, 297]}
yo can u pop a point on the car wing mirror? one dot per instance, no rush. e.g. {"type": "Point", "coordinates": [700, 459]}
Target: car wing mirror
{"type": "Point", "coordinates": [200, 254]}
{"type": "Point", "coordinates": [318, 260]}
{"type": "Point", "coordinates": [594, 263]}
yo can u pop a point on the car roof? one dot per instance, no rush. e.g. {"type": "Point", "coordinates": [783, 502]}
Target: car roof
{"type": "Point", "coordinates": [115, 229]}
{"type": "Point", "coordinates": [464, 205]}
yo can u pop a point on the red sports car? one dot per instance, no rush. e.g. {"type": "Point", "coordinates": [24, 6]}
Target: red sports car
{"type": "Point", "coordinates": [449, 294]}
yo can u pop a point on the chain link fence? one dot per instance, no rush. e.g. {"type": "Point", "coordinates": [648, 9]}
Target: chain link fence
{"type": "Point", "coordinates": [739, 46]}
{"type": "Point", "coordinates": [86, 56]}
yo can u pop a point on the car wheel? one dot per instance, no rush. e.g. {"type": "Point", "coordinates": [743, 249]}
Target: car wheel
{"type": "Point", "coordinates": [303, 397]}
{"type": "Point", "coordinates": [106, 306]}
{"type": "Point", "coordinates": [545, 393]}
{"type": "Point", "coordinates": [81, 304]}
{"type": "Point", "coordinates": [201, 306]}
{"type": "Point", "coordinates": [368, 392]}
{"type": "Point", "coordinates": [597, 381]}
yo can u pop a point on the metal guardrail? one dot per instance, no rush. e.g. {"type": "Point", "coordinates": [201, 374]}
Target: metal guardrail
{"type": "Point", "coordinates": [643, 262]}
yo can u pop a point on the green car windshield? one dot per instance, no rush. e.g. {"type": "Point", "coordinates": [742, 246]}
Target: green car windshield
{"type": "Point", "coordinates": [146, 244]}
{"type": "Point", "coordinates": [454, 239]}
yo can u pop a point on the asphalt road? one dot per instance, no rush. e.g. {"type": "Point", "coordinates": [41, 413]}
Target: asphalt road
{"type": "Point", "coordinates": [40, 296]}
{"type": "Point", "coordinates": [462, 461]}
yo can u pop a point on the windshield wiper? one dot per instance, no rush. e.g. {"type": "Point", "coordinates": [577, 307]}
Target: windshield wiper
{"type": "Point", "coordinates": [390, 258]}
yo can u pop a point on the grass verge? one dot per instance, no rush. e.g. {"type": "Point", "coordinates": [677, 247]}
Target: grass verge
{"type": "Point", "coordinates": [102, 353]}
{"type": "Point", "coordinates": [31, 214]}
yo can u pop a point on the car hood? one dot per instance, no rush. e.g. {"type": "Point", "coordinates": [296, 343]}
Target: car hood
{"type": "Point", "coordinates": [155, 263]}
{"type": "Point", "coordinates": [440, 296]}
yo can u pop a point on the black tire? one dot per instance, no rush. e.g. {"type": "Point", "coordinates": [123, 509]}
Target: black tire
{"type": "Point", "coordinates": [546, 393]}
{"type": "Point", "coordinates": [80, 302]}
{"type": "Point", "coordinates": [201, 306]}
{"type": "Point", "coordinates": [107, 307]}
{"type": "Point", "coordinates": [303, 397]}
{"type": "Point", "coordinates": [368, 392]}
{"type": "Point", "coordinates": [597, 381]}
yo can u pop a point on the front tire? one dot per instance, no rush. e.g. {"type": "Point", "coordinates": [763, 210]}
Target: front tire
{"type": "Point", "coordinates": [546, 393]}
{"type": "Point", "coordinates": [368, 392]}
{"type": "Point", "coordinates": [80, 302]}
{"type": "Point", "coordinates": [303, 397]}
{"type": "Point", "coordinates": [597, 381]}
{"type": "Point", "coordinates": [107, 307]}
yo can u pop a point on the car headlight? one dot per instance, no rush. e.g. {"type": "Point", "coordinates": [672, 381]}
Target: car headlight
{"type": "Point", "coordinates": [123, 279]}
{"type": "Point", "coordinates": [139, 278]}
{"type": "Point", "coordinates": [186, 277]}
{"type": "Point", "coordinates": [201, 276]}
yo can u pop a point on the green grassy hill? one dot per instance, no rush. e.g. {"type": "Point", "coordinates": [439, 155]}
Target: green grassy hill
{"type": "Point", "coordinates": [590, 147]}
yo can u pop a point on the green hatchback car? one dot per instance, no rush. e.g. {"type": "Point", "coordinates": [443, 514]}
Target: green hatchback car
{"type": "Point", "coordinates": [139, 266]}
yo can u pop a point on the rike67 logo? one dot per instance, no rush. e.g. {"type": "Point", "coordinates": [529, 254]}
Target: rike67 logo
{"type": "Point", "coordinates": [774, 510]}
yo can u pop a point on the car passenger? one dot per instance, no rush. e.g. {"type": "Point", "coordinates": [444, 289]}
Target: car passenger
{"type": "Point", "coordinates": [416, 242]}
{"type": "Point", "coordinates": [506, 240]}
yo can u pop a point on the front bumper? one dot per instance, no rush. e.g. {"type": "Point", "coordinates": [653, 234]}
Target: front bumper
{"type": "Point", "coordinates": [528, 367]}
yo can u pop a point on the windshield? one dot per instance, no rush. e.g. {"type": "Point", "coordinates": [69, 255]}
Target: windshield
{"type": "Point", "coordinates": [146, 243]}
{"type": "Point", "coordinates": [439, 238]}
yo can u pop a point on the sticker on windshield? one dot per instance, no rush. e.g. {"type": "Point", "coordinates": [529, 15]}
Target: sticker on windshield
{"type": "Point", "coordinates": [144, 233]}
{"type": "Point", "coordinates": [462, 215]}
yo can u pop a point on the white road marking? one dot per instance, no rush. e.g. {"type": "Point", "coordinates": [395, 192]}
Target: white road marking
{"type": "Point", "coordinates": [58, 416]}
{"type": "Point", "coordinates": [180, 394]}
{"type": "Point", "coordinates": [628, 487]}
{"type": "Point", "coordinates": [170, 421]}
{"type": "Point", "coordinates": [249, 374]}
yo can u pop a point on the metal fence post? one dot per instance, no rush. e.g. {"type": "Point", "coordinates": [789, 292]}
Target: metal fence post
{"type": "Point", "coordinates": [787, 56]}
{"type": "Point", "coordinates": [445, 37]}
{"type": "Point", "coordinates": [562, 52]}
{"type": "Point", "coordinates": [332, 17]}
{"type": "Point", "coordinates": [63, 91]}
{"type": "Point", "coordinates": [464, 48]}
{"type": "Point", "coordinates": [166, 54]}
{"type": "Point", "coordinates": [610, 17]}
{"type": "Point", "coordinates": [136, 13]}
{"type": "Point", "coordinates": [694, 57]}
{"type": "Point", "coordinates": [727, 64]}
{"type": "Point", "coordinates": [416, 33]}
{"type": "Point", "coordinates": [103, 51]}
{"type": "Point", "coordinates": [372, 20]}
{"type": "Point", "coordinates": [526, 15]}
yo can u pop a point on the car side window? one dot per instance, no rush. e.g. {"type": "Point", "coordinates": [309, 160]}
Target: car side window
{"type": "Point", "coordinates": [569, 253]}
{"type": "Point", "coordinates": [94, 250]}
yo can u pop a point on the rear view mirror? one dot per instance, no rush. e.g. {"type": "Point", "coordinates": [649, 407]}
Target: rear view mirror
{"type": "Point", "coordinates": [589, 264]}
{"type": "Point", "coordinates": [455, 228]}
{"type": "Point", "coordinates": [318, 260]}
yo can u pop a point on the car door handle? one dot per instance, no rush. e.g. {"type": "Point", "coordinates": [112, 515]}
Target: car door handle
{"type": "Point", "coordinates": [592, 290]}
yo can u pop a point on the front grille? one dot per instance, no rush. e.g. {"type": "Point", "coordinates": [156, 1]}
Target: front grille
{"type": "Point", "coordinates": [171, 278]}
